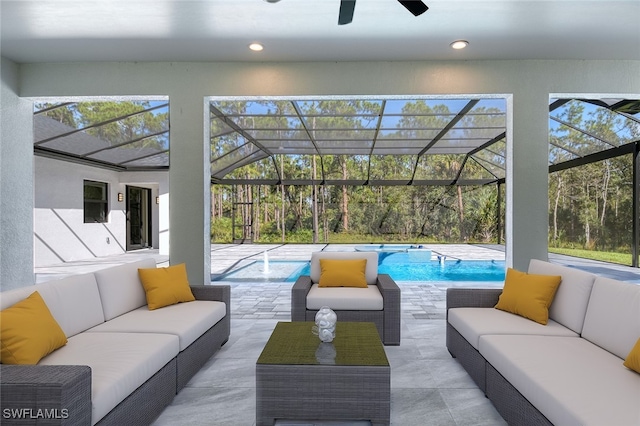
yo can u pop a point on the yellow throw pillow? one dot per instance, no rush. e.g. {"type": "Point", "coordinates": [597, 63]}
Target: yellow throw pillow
{"type": "Point", "coordinates": [343, 273]}
{"type": "Point", "coordinates": [632, 361]}
{"type": "Point", "coordinates": [28, 332]}
{"type": "Point", "coordinates": [528, 295]}
{"type": "Point", "coordinates": [166, 286]}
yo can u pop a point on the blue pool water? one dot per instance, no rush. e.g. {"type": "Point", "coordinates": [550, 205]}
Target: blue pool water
{"type": "Point", "coordinates": [402, 266]}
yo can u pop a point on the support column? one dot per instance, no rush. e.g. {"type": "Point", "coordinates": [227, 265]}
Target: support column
{"type": "Point", "coordinates": [16, 183]}
{"type": "Point", "coordinates": [189, 180]}
{"type": "Point", "coordinates": [527, 187]}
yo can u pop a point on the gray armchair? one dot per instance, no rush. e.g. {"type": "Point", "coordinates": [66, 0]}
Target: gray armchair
{"type": "Point", "coordinates": [378, 303]}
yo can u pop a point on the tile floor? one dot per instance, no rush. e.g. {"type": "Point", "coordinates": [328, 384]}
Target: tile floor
{"type": "Point", "coordinates": [428, 387]}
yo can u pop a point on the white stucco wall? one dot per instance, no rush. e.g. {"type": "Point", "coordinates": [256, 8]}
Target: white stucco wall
{"type": "Point", "coordinates": [527, 85]}
{"type": "Point", "coordinates": [16, 182]}
{"type": "Point", "coordinates": [59, 231]}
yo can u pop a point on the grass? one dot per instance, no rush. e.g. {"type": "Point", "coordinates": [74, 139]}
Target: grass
{"type": "Point", "coordinates": [604, 256]}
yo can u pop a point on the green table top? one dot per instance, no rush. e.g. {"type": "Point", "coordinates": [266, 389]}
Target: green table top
{"type": "Point", "coordinates": [293, 343]}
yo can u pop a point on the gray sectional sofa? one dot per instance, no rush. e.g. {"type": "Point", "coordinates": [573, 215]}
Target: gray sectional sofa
{"type": "Point", "coordinates": [123, 363]}
{"type": "Point", "coordinates": [568, 372]}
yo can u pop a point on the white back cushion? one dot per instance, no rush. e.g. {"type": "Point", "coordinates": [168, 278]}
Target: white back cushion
{"type": "Point", "coordinates": [613, 316]}
{"type": "Point", "coordinates": [569, 305]}
{"type": "Point", "coordinates": [370, 273]}
{"type": "Point", "coordinates": [120, 288]}
{"type": "Point", "coordinates": [73, 301]}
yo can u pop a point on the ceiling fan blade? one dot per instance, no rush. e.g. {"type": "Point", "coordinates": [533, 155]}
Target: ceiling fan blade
{"type": "Point", "coordinates": [346, 11]}
{"type": "Point", "coordinates": [416, 7]}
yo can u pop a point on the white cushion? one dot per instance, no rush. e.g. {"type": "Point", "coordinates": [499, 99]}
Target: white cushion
{"type": "Point", "coordinates": [613, 316]}
{"type": "Point", "coordinates": [472, 323]}
{"type": "Point", "coordinates": [120, 288]}
{"type": "Point", "coordinates": [188, 321]}
{"type": "Point", "coordinates": [571, 381]}
{"type": "Point", "coordinates": [345, 298]}
{"type": "Point", "coordinates": [570, 302]}
{"type": "Point", "coordinates": [11, 297]}
{"type": "Point", "coordinates": [120, 363]}
{"type": "Point", "coordinates": [370, 272]}
{"type": "Point", "coordinates": [74, 301]}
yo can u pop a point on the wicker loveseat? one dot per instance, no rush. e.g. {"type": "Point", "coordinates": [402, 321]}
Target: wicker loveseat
{"type": "Point", "coordinates": [378, 303]}
{"type": "Point", "coordinates": [122, 363]}
{"type": "Point", "coordinates": [567, 372]}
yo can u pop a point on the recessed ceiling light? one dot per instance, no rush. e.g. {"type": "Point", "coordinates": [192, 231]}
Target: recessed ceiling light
{"type": "Point", "coordinates": [256, 47]}
{"type": "Point", "coordinates": [459, 44]}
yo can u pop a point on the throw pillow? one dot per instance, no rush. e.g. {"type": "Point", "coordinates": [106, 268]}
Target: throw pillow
{"type": "Point", "coordinates": [166, 286]}
{"type": "Point", "coordinates": [632, 361]}
{"type": "Point", "coordinates": [342, 273]}
{"type": "Point", "coordinates": [528, 295]}
{"type": "Point", "coordinates": [28, 332]}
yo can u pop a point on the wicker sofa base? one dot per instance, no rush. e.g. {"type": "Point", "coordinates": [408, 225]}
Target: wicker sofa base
{"type": "Point", "coordinates": [64, 391]}
{"type": "Point", "coordinates": [507, 400]}
{"type": "Point", "coordinates": [467, 356]}
{"type": "Point", "coordinates": [192, 358]}
{"type": "Point", "coordinates": [147, 402]}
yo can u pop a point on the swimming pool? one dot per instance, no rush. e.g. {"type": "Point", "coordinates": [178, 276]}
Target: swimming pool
{"type": "Point", "coordinates": [402, 266]}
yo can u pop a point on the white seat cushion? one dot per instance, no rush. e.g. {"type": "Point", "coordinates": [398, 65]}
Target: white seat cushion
{"type": "Point", "coordinates": [188, 320]}
{"type": "Point", "coordinates": [570, 380]}
{"type": "Point", "coordinates": [472, 323]}
{"type": "Point", "coordinates": [120, 288]}
{"type": "Point", "coordinates": [345, 298]}
{"type": "Point", "coordinates": [120, 363]}
{"type": "Point", "coordinates": [570, 302]}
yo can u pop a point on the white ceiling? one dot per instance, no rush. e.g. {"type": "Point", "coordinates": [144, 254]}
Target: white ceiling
{"type": "Point", "coordinates": [307, 30]}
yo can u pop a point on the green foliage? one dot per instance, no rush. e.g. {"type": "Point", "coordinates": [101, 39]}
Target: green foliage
{"type": "Point", "coordinates": [221, 230]}
{"type": "Point", "coordinates": [603, 256]}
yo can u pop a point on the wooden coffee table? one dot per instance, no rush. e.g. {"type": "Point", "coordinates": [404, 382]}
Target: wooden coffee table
{"type": "Point", "coordinates": [300, 378]}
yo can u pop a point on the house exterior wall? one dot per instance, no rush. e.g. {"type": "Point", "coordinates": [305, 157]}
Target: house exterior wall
{"type": "Point", "coordinates": [60, 234]}
{"type": "Point", "coordinates": [526, 84]}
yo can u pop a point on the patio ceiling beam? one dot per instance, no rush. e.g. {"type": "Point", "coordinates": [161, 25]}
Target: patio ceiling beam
{"type": "Point", "coordinates": [244, 134]}
{"type": "Point", "coordinates": [74, 158]}
{"type": "Point", "coordinates": [51, 108]}
{"type": "Point", "coordinates": [570, 151]}
{"type": "Point", "coordinates": [489, 143]}
{"type": "Point", "coordinates": [595, 157]}
{"type": "Point", "coordinates": [558, 103]}
{"type": "Point", "coordinates": [577, 129]}
{"type": "Point", "coordinates": [311, 137]}
{"type": "Point", "coordinates": [375, 138]}
{"type": "Point", "coordinates": [101, 123]}
{"type": "Point", "coordinates": [459, 116]}
{"type": "Point", "coordinates": [357, 182]}
{"type": "Point", "coordinates": [153, 154]}
{"type": "Point", "coordinates": [151, 135]}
